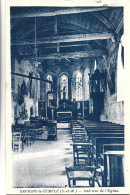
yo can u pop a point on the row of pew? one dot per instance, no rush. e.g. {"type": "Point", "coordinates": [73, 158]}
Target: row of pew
{"type": "Point", "coordinates": [97, 146]}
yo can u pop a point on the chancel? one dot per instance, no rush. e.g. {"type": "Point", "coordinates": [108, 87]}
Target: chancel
{"type": "Point", "coordinates": [67, 67]}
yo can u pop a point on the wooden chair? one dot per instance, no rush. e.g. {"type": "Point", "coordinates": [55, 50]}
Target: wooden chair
{"type": "Point", "coordinates": [28, 136]}
{"type": "Point", "coordinates": [78, 130]}
{"type": "Point", "coordinates": [38, 130]}
{"type": "Point", "coordinates": [32, 134]}
{"type": "Point", "coordinates": [83, 154]}
{"type": "Point", "coordinates": [81, 173]}
{"type": "Point", "coordinates": [17, 142]}
{"type": "Point", "coordinates": [79, 137]}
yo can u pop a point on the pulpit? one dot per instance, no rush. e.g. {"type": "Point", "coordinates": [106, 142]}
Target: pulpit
{"type": "Point", "coordinates": [97, 88]}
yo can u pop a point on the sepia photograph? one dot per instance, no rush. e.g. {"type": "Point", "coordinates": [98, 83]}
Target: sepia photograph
{"type": "Point", "coordinates": [67, 99]}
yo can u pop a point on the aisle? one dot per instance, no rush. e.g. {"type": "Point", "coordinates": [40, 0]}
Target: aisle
{"type": "Point", "coordinates": [43, 163]}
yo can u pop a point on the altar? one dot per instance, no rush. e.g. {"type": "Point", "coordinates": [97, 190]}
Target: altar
{"type": "Point", "coordinates": [64, 115]}
{"type": "Point", "coordinates": [63, 119]}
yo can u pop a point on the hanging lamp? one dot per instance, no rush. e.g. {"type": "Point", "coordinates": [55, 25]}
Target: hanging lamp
{"type": "Point", "coordinates": [36, 63]}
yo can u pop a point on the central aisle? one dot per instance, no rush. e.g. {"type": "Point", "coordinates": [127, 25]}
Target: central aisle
{"type": "Point", "coordinates": [43, 163]}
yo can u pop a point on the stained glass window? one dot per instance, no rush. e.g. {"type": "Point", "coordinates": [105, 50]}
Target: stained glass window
{"type": "Point", "coordinates": [64, 87]}
{"type": "Point", "coordinates": [79, 94]}
{"type": "Point", "coordinates": [48, 85]}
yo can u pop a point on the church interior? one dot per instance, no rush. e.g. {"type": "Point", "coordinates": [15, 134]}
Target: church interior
{"type": "Point", "coordinates": [67, 67]}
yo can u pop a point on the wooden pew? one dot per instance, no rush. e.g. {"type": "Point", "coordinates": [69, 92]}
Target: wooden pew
{"type": "Point", "coordinates": [89, 132]}
{"type": "Point", "coordinates": [103, 124]}
{"type": "Point", "coordinates": [107, 139]}
{"type": "Point", "coordinates": [91, 123]}
{"type": "Point", "coordinates": [113, 147]}
{"type": "Point", "coordinates": [99, 142]}
{"type": "Point", "coordinates": [99, 150]}
{"type": "Point", "coordinates": [94, 135]}
{"type": "Point", "coordinates": [103, 128]}
{"type": "Point", "coordinates": [107, 148]}
{"type": "Point", "coordinates": [114, 169]}
{"type": "Point", "coordinates": [105, 131]}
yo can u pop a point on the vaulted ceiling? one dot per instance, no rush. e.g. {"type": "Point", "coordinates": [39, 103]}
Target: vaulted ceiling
{"type": "Point", "coordinates": [64, 32]}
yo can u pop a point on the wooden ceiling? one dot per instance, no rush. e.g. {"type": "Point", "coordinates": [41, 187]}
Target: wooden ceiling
{"type": "Point", "coordinates": [72, 32]}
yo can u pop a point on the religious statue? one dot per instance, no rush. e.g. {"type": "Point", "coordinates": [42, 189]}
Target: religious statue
{"type": "Point", "coordinates": [64, 92]}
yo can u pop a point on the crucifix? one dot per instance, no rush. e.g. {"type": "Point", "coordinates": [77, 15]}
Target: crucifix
{"type": "Point", "coordinates": [64, 104]}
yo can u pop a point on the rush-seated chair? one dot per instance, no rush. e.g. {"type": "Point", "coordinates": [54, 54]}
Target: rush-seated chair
{"type": "Point", "coordinates": [81, 173]}
{"type": "Point", "coordinates": [83, 154]}
{"type": "Point", "coordinates": [79, 137]}
{"type": "Point", "coordinates": [17, 143]}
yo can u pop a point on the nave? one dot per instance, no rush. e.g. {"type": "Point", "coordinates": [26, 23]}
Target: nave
{"type": "Point", "coordinates": [67, 96]}
{"type": "Point", "coordinates": [67, 161]}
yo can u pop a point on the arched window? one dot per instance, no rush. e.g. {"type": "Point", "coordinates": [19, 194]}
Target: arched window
{"type": "Point", "coordinates": [79, 90]}
{"type": "Point", "coordinates": [120, 71]}
{"type": "Point", "coordinates": [64, 87]}
{"type": "Point", "coordinates": [86, 84]}
{"type": "Point", "coordinates": [48, 85]}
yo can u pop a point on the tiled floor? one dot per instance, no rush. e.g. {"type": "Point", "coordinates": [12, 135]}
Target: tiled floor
{"type": "Point", "coordinates": [43, 163]}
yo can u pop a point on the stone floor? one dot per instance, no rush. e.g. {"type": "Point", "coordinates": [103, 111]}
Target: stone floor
{"type": "Point", "coordinates": [43, 163]}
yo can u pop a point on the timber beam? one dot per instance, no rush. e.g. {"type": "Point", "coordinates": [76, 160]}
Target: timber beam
{"type": "Point", "coordinates": [58, 12]}
{"type": "Point", "coordinates": [104, 20]}
{"type": "Point", "coordinates": [67, 38]}
{"type": "Point", "coordinates": [81, 54]}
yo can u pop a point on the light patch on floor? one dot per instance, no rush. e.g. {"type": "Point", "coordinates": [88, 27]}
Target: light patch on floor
{"type": "Point", "coordinates": [43, 163]}
{"type": "Point", "coordinates": [35, 155]}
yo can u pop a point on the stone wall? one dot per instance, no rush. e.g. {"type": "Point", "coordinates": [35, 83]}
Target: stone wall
{"type": "Point", "coordinates": [113, 111]}
{"type": "Point", "coordinates": [24, 67]}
